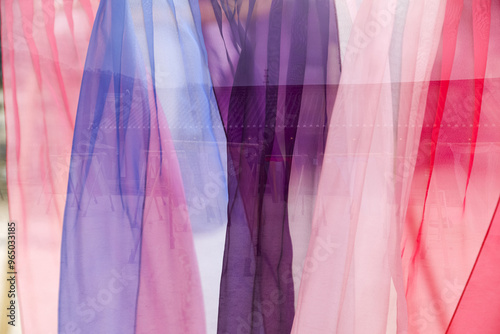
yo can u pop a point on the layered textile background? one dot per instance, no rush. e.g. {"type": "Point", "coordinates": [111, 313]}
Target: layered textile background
{"type": "Point", "coordinates": [252, 166]}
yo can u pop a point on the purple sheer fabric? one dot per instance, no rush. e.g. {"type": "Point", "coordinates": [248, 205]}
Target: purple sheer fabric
{"type": "Point", "coordinates": [127, 262]}
{"type": "Point", "coordinates": [271, 63]}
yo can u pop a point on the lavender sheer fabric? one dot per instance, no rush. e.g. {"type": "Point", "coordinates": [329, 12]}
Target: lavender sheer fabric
{"type": "Point", "coordinates": [128, 263]}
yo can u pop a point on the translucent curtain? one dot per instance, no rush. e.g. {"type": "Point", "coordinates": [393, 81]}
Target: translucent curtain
{"type": "Point", "coordinates": [454, 191]}
{"type": "Point", "coordinates": [43, 48]}
{"type": "Point", "coordinates": [275, 67]}
{"type": "Point", "coordinates": [349, 264]}
{"type": "Point", "coordinates": [128, 263]}
{"type": "Point", "coordinates": [352, 147]}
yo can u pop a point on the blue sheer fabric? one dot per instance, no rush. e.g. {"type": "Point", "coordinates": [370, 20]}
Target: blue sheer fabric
{"type": "Point", "coordinates": [146, 100]}
{"type": "Point", "coordinates": [184, 90]}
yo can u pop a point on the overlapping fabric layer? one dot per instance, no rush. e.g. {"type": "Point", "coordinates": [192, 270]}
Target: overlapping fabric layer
{"type": "Point", "coordinates": [455, 188]}
{"type": "Point", "coordinates": [128, 263]}
{"type": "Point", "coordinates": [275, 67]}
{"type": "Point", "coordinates": [362, 149]}
{"type": "Point", "coordinates": [44, 44]}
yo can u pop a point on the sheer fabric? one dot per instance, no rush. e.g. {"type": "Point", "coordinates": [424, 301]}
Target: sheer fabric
{"type": "Point", "coordinates": [454, 191]}
{"type": "Point", "coordinates": [400, 63]}
{"type": "Point", "coordinates": [274, 65]}
{"type": "Point", "coordinates": [353, 222]}
{"type": "Point", "coordinates": [361, 190]}
{"type": "Point", "coordinates": [128, 263]}
{"type": "Point", "coordinates": [43, 49]}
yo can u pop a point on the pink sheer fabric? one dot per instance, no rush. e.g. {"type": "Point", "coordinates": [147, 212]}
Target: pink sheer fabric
{"type": "Point", "coordinates": [421, 224]}
{"type": "Point", "coordinates": [455, 189]}
{"type": "Point", "coordinates": [478, 305]}
{"type": "Point", "coordinates": [43, 47]}
{"type": "Point", "coordinates": [351, 237]}
{"type": "Point", "coordinates": [170, 299]}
